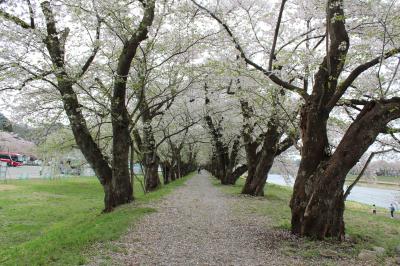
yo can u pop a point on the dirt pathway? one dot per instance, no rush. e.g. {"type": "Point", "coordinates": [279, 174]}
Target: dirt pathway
{"type": "Point", "coordinates": [196, 225]}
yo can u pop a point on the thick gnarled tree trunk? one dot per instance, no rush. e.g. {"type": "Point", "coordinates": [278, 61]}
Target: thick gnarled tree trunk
{"type": "Point", "coordinates": [316, 152]}
{"type": "Point", "coordinates": [259, 163]}
{"type": "Point", "coordinates": [317, 209]}
{"type": "Point", "coordinates": [120, 119]}
{"type": "Point", "coordinates": [256, 178]}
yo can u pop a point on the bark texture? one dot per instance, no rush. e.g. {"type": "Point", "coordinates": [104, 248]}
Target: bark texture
{"type": "Point", "coordinates": [320, 206]}
{"type": "Point", "coordinates": [259, 163]}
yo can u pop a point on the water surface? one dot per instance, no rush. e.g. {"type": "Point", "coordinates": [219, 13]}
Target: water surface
{"type": "Point", "coordinates": [367, 195]}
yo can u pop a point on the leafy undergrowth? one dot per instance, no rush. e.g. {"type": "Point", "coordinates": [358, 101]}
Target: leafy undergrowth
{"type": "Point", "coordinates": [57, 221]}
{"type": "Point", "coordinates": [363, 230]}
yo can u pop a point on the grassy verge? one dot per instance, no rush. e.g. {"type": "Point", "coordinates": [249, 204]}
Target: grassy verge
{"type": "Point", "coordinates": [389, 179]}
{"type": "Point", "coordinates": [44, 222]}
{"type": "Point", "coordinates": [364, 229]}
{"type": "Point", "coordinates": [385, 182]}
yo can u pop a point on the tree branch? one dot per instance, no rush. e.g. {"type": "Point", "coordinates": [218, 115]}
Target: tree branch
{"type": "Point", "coordinates": [348, 190]}
{"type": "Point", "coordinates": [15, 19]}
{"type": "Point", "coordinates": [271, 75]}
{"type": "Point", "coordinates": [94, 51]}
{"type": "Point", "coordinates": [343, 86]}
{"type": "Point", "coordinates": [272, 56]}
{"type": "Point", "coordinates": [287, 143]}
{"type": "Point", "coordinates": [31, 14]}
{"type": "Point", "coordinates": [52, 41]}
{"type": "Point", "coordinates": [129, 50]}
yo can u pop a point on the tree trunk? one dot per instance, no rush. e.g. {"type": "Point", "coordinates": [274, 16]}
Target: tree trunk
{"type": "Point", "coordinates": [122, 185]}
{"type": "Point", "coordinates": [131, 165]}
{"type": "Point", "coordinates": [173, 173]}
{"type": "Point", "coordinates": [226, 178]}
{"type": "Point", "coordinates": [230, 164]}
{"type": "Point", "coordinates": [150, 166]}
{"type": "Point", "coordinates": [116, 184]}
{"type": "Point", "coordinates": [237, 173]}
{"type": "Point", "coordinates": [315, 151]}
{"type": "Point", "coordinates": [318, 202]}
{"type": "Point", "coordinates": [220, 149]}
{"type": "Point", "coordinates": [109, 202]}
{"type": "Point", "coordinates": [121, 182]}
{"type": "Point", "coordinates": [115, 181]}
{"type": "Point", "coordinates": [151, 160]}
{"type": "Point", "coordinates": [178, 161]}
{"type": "Point", "coordinates": [260, 167]}
{"type": "Point", "coordinates": [257, 184]}
{"type": "Point", "coordinates": [252, 162]}
{"type": "Point", "coordinates": [166, 166]}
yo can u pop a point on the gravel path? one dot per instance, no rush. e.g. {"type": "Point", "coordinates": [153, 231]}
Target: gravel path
{"type": "Point", "coordinates": [196, 225]}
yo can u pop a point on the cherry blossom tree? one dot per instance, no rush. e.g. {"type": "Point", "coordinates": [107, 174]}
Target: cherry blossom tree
{"type": "Point", "coordinates": [44, 39]}
{"type": "Point", "coordinates": [318, 203]}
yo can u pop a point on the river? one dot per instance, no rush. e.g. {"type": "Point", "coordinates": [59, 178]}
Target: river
{"type": "Point", "coordinates": [378, 196]}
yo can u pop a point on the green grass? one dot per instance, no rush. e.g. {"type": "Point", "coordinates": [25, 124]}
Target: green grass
{"type": "Point", "coordinates": [389, 179]}
{"type": "Point", "coordinates": [392, 179]}
{"type": "Point", "coordinates": [365, 230]}
{"type": "Point", "coordinates": [55, 222]}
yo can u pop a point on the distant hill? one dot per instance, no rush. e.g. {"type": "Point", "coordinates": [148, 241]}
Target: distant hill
{"type": "Point", "coordinates": [37, 134]}
{"type": "Point", "coordinates": [22, 138]}
{"type": "Point", "coordinates": [26, 132]}
{"type": "Point", "coordinates": [12, 142]}
{"type": "Point", "coordinates": [5, 124]}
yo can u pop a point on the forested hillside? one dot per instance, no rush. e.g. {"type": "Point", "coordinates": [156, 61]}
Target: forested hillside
{"type": "Point", "coordinates": [5, 124]}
